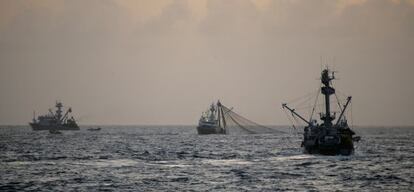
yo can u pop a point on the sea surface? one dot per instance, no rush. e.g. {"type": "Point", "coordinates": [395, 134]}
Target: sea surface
{"type": "Point", "coordinates": [175, 158]}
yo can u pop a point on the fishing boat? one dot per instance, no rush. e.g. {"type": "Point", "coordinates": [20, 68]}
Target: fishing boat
{"type": "Point", "coordinates": [327, 137]}
{"type": "Point", "coordinates": [212, 121]}
{"type": "Point", "coordinates": [55, 120]}
{"type": "Point", "coordinates": [94, 129]}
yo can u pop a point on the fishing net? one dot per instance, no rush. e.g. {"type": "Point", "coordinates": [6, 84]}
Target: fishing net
{"type": "Point", "coordinates": [237, 123]}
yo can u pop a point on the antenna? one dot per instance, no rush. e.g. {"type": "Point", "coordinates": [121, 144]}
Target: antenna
{"type": "Point", "coordinates": [321, 62]}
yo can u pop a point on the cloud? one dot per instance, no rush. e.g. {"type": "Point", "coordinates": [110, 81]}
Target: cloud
{"type": "Point", "coordinates": [141, 61]}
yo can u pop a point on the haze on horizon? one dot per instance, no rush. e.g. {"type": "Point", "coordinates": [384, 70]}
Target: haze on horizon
{"type": "Point", "coordinates": [165, 61]}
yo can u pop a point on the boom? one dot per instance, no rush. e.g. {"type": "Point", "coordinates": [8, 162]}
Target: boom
{"type": "Point", "coordinates": [343, 110]}
{"type": "Point", "coordinates": [293, 112]}
{"type": "Point", "coordinates": [66, 114]}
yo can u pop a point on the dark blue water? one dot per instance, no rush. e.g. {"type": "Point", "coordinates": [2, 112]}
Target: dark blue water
{"type": "Point", "coordinates": [177, 159]}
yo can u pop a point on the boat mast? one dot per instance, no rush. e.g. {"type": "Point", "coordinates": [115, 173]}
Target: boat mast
{"type": "Point", "coordinates": [327, 90]}
{"type": "Point", "coordinates": [59, 111]}
{"type": "Point", "coordinates": [221, 116]}
{"type": "Point", "coordinates": [34, 116]}
{"type": "Point", "coordinates": [218, 116]}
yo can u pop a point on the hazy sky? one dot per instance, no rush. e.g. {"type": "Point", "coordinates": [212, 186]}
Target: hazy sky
{"type": "Point", "coordinates": [165, 61]}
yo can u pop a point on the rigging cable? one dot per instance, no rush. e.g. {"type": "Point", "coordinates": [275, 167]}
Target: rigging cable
{"type": "Point", "coordinates": [293, 127]}
{"type": "Point", "coordinates": [288, 116]}
{"type": "Point", "coordinates": [337, 100]}
{"type": "Point", "coordinates": [314, 105]}
{"type": "Point", "coordinates": [300, 98]}
{"type": "Point", "coordinates": [305, 100]}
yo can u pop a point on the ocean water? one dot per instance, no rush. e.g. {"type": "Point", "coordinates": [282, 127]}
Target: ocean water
{"type": "Point", "coordinates": [175, 158]}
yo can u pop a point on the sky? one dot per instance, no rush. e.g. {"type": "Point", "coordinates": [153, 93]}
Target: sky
{"type": "Point", "coordinates": [158, 62]}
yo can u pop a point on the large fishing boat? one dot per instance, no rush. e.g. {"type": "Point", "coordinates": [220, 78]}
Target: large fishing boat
{"type": "Point", "coordinates": [212, 121]}
{"type": "Point", "coordinates": [329, 137]}
{"type": "Point", "coordinates": [55, 121]}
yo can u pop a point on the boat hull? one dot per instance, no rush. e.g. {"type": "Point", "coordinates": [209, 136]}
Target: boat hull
{"type": "Point", "coordinates": [205, 130]}
{"type": "Point", "coordinates": [342, 146]}
{"type": "Point", "coordinates": [331, 150]}
{"type": "Point", "coordinates": [63, 127]}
